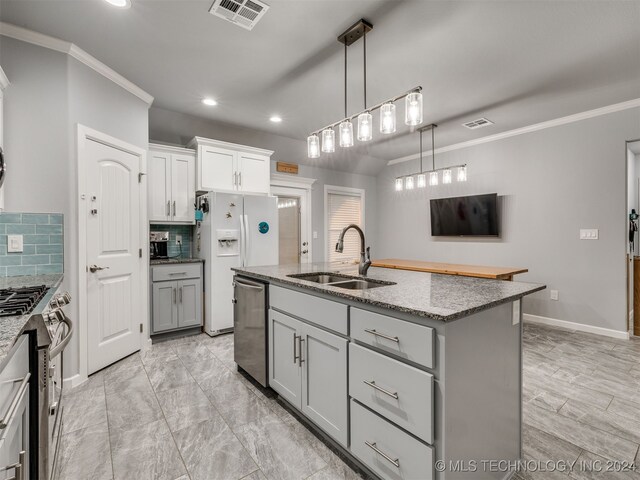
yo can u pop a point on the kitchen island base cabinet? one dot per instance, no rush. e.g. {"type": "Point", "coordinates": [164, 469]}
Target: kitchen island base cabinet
{"type": "Point", "coordinates": [308, 368]}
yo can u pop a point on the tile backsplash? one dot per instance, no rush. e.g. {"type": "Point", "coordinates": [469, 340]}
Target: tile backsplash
{"type": "Point", "coordinates": [173, 250]}
{"type": "Point", "coordinates": [43, 249]}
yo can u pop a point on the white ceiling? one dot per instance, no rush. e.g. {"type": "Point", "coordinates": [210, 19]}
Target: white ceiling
{"type": "Point", "coordinates": [516, 63]}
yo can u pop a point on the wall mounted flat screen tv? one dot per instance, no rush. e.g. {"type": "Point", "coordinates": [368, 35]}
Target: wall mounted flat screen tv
{"type": "Point", "coordinates": [472, 216]}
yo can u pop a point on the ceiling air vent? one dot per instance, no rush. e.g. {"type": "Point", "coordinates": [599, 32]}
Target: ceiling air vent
{"type": "Point", "coordinates": [479, 123]}
{"type": "Point", "coordinates": [244, 13]}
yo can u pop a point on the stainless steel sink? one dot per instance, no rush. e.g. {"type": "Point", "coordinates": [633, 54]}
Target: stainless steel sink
{"type": "Point", "coordinates": [341, 281]}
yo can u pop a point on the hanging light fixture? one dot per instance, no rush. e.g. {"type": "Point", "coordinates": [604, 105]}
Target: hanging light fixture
{"type": "Point", "coordinates": [407, 182]}
{"type": "Point", "coordinates": [313, 146]}
{"type": "Point", "coordinates": [388, 118]}
{"type": "Point", "coordinates": [328, 140]}
{"type": "Point", "coordinates": [413, 109]}
{"type": "Point", "coordinates": [413, 115]}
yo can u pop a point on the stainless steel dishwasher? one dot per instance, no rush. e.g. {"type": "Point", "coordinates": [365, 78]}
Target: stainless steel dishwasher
{"type": "Point", "coordinates": [250, 327]}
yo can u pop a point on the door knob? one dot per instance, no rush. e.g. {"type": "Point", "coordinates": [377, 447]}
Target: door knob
{"type": "Point", "coordinates": [95, 268]}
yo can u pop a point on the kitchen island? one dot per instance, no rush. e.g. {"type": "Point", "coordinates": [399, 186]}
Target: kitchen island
{"type": "Point", "coordinates": [412, 375]}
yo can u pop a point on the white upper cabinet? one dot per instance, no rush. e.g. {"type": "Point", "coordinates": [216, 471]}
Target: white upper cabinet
{"type": "Point", "coordinates": [171, 184]}
{"type": "Point", "coordinates": [227, 167]}
{"type": "Point", "coordinates": [4, 83]}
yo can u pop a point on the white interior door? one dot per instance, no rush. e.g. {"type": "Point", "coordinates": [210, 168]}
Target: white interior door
{"type": "Point", "coordinates": [114, 303]}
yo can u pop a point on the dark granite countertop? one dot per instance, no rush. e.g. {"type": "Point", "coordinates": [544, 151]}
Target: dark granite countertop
{"type": "Point", "coordinates": [12, 327]}
{"type": "Point", "coordinates": [429, 295]}
{"type": "Point", "coordinates": [170, 261]}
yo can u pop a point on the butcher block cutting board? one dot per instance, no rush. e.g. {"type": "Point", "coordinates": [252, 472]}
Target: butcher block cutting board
{"type": "Point", "coordinates": [480, 271]}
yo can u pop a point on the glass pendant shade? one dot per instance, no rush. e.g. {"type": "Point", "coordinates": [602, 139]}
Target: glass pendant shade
{"type": "Point", "coordinates": [408, 183]}
{"type": "Point", "coordinates": [388, 118]}
{"type": "Point", "coordinates": [421, 180]}
{"type": "Point", "coordinates": [346, 134]}
{"type": "Point", "coordinates": [328, 140]}
{"type": "Point", "coordinates": [446, 176]}
{"type": "Point", "coordinates": [399, 184]}
{"type": "Point", "coordinates": [433, 179]}
{"type": "Point", "coordinates": [365, 123]}
{"type": "Point", "coordinates": [413, 109]}
{"type": "Point", "coordinates": [462, 174]}
{"type": "Point", "coordinates": [313, 146]}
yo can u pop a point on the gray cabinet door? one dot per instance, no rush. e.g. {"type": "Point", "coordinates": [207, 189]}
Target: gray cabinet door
{"type": "Point", "coordinates": [165, 306]}
{"type": "Point", "coordinates": [324, 381]}
{"type": "Point", "coordinates": [284, 368]}
{"type": "Point", "coordinates": [190, 302]}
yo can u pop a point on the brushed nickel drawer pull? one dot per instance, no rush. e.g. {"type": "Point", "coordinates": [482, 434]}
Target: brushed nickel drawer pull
{"type": "Point", "coordinates": [24, 383]}
{"type": "Point", "coordinates": [374, 447]}
{"type": "Point", "coordinates": [378, 334]}
{"type": "Point", "coordinates": [372, 384]}
{"type": "Point", "coordinates": [295, 357]}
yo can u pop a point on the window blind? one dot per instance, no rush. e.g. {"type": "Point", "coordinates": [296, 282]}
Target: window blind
{"type": "Point", "coordinates": [343, 210]}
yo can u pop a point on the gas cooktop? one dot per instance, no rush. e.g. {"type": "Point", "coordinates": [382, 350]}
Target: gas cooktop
{"type": "Point", "coordinates": [20, 301]}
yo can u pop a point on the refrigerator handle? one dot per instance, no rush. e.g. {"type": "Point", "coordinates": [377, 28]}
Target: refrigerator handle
{"type": "Point", "coordinates": [247, 245]}
{"type": "Point", "coordinates": [242, 241]}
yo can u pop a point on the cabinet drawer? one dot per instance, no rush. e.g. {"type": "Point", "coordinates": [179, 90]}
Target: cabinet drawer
{"type": "Point", "coordinates": [13, 372]}
{"type": "Point", "coordinates": [397, 391]}
{"type": "Point", "coordinates": [387, 450]}
{"type": "Point", "coordinates": [404, 339]}
{"type": "Point", "coordinates": [175, 272]}
{"type": "Point", "coordinates": [327, 314]}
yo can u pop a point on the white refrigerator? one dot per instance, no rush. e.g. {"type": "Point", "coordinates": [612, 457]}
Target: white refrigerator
{"type": "Point", "coordinates": [237, 231]}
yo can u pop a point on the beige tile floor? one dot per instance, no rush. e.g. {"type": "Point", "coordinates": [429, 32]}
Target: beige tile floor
{"type": "Point", "coordinates": [181, 411]}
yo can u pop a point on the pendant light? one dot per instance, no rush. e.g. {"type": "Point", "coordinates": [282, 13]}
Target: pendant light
{"type": "Point", "coordinates": [419, 180]}
{"type": "Point", "coordinates": [413, 109]}
{"type": "Point", "coordinates": [328, 140]}
{"type": "Point", "coordinates": [313, 146]}
{"type": "Point", "coordinates": [388, 118]}
{"type": "Point", "coordinates": [413, 115]}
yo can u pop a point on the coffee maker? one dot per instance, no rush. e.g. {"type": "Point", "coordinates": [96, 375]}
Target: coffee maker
{"type": "Point", "coordinates": [158, 242]}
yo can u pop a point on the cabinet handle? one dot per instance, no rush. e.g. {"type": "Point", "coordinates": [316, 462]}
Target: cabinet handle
{"type": "Point", "coordinates": [240, 178]}
{"type": "Point", "coordinates": [174, 208]}
{"type": "Point", "coordinates": [372, 384]}
{"type": "Point", "coordinates": [300, 359]}
{"type": "Point", "coordinates": [295, 357]}
{"type": "Point", "coordinates": [24, 383]}
{"type": "Point", "coordinates": [374, 447]}
{"type": "Point", "coordinates": [174, 295]}
{"type": "Point", "coordinates": [378, 334]}
{"type": "Point", "coordinates": [235, 178]}
{"type": "Point", "coordinates": [168, 209]}
{"type": "Point", "coordinates": [180, 294]}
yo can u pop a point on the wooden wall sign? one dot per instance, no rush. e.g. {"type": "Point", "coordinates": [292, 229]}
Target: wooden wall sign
{"type": "Point", "coordinates": [287, 167]}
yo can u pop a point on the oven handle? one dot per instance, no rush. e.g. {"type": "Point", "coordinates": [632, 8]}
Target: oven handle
{"type": "Point", "coordinates": [55, 351]}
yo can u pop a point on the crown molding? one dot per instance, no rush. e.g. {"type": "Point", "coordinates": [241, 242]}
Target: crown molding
{"type": "Point", "coordinates": [52, 43]}
{"type": "Point", "coordinates": [617, 107]}
{"type": "Point", "coordinates": [4, 81]}
{"type": "Point", "coordinates": [171, 148]}
{"type": "Point", "coordinates": [288, 180]}
{"type": "Point", "coordinates": [209, 142]}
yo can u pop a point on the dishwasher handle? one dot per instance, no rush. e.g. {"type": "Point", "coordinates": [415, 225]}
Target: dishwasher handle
{"type": "Point", "coordinates": [243, 284]}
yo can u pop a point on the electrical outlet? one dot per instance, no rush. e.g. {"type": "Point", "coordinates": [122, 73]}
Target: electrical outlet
{"type": "Point", "coordinates": [15, 243]}
{"type": "Point", "coordinates": [553, 294]}
{"type": "Point", "coordinates": [315, 235]}
{"type": "Point", "coordinates": [179, 239]}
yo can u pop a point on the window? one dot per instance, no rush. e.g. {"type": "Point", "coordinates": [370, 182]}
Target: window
{"type": "Point", "coordinates": [343, 206]}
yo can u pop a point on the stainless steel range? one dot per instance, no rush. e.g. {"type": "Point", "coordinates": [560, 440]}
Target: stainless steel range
{"type": "Point", "coordinates": [53, 331]}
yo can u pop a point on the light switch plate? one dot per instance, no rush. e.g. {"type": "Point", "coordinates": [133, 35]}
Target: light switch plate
{"type": "Point", "coordinates": [553, 294]}
{"type": "Point", "coordinates": [589, 234]}
{"type": "Point", "coordinates": [315, 235]}
{"type": "Point", "coordinates": [15, 243]}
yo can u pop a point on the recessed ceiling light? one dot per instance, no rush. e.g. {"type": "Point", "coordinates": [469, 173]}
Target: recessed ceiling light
{"type": "Point", "coordinates": [276, 119]}
{"type": "Point", "coordinates": [210, 102]}
{"type": "Point", "coordinates": [120, 3]}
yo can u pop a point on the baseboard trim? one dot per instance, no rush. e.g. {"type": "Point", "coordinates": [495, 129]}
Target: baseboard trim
{"type": "Point", "coordinates": [73, 381]}
{"type": "Point", "coordinates": [581, 327]}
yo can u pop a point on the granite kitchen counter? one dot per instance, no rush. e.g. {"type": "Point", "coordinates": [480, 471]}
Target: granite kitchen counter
{"type": "Point", "coordinates": [428, 295]}
{"type": "Point", "coordinates": [172, 261]}
{"type": "Point", "coordinates": [13, 326]}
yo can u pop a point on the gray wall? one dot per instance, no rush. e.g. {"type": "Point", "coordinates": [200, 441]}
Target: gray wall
{"type": "Point", "coordinates": [552, 183]}
{"type": "Point", "coordinates": [50, 93]}
{"type": "Point", "coordinates": [166, 126]}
